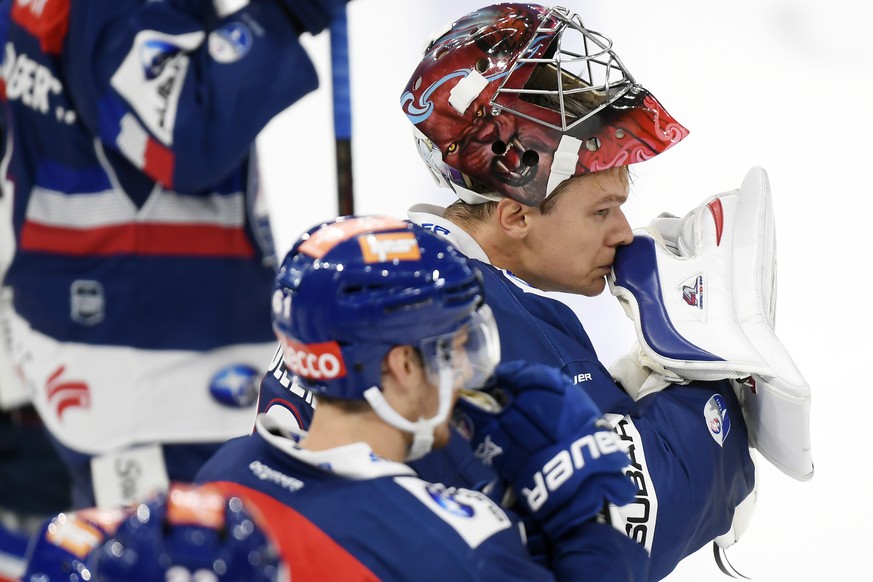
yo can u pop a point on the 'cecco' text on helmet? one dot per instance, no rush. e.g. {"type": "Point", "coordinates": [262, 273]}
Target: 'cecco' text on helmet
{"type": "Point", "coordinates": [351, 289]}
{"type": "Point", "coordinates": [514, 99]}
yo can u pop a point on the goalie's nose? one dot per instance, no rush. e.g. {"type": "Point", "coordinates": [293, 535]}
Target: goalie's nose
{"type": "Point", "coordinates": [622, 233]}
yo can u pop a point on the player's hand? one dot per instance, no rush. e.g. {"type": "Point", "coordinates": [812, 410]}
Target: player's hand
{"type": "Point", "coordinates": [547, 439]}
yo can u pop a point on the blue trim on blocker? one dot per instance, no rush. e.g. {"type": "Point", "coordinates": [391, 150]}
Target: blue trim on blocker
{"type": "Point", "coordinates": [636, 270]}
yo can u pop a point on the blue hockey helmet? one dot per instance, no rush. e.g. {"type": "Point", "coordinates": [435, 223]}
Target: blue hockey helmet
{"type": "Point", "coordinates": [352, 288]}
{"type": "Point", "coordinates": [190, 533]}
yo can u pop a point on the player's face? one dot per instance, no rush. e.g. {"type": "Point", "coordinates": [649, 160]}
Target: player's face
{"type": "Point", "coordinates": [463, 372]}
{"type": "Point", "coordinates": [572, 248]}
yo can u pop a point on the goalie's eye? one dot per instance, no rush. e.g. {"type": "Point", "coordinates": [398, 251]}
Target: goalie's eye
{"type": "Point", "coordinates": [453, 147]}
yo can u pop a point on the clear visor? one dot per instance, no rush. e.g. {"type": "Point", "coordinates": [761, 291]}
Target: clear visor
{"type": "Point", "coordinates": [471, 352]}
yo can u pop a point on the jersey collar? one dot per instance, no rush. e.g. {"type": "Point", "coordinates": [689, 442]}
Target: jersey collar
{"type": "Point", "coordinates": [352, 461]}
{"type": "Point", "coordinates": [432, 218]}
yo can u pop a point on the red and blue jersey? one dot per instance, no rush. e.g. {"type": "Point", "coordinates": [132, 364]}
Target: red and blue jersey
{"type": "Point", "coordinates": [136, 215]}
{"type": "Point", "coordinates": [688, 444]}
{"type": "Point", "coordinates": [348, 514]}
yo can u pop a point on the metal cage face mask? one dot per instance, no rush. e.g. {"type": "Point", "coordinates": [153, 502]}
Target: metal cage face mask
{"type": "Point", "coordinates": [514, 99]}
{"type": "Point", "coordinates": [471, 352]}
{"type": "Point", "coordinates": [565, 68]}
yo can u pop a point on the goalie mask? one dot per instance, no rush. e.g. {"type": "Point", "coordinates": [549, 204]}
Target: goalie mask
{"type": "Point", "coordinates": [514, 99]}
{"type": "Point", "coordinates": [352, 289]}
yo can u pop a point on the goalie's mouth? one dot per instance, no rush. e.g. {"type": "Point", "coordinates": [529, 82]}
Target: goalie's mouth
{"type": "Point", "coordinates": [513, 164]}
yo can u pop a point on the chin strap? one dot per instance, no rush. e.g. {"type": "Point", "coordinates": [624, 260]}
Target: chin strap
{"type": "Point", "coordinates": [422, 430]}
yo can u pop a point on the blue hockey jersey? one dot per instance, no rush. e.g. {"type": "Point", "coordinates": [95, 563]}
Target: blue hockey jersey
{"type": "Point", "coordinates": [347, 514]}
{"type": "Point", "coordinates": [131, 124]}
{"type": "Point", "coordinates": [143, 261]}
{"type": "Point", "coordinates": [688, 444]}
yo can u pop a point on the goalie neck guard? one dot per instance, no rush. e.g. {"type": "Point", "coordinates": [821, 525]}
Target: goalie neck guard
{"type": "Point", "coordinates": [515, 98]}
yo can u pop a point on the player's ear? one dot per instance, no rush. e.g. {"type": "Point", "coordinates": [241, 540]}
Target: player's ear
{"type": "Point", "coordinates": [513, 217]}
{"type": "Point", "coordinates": [404, 365]}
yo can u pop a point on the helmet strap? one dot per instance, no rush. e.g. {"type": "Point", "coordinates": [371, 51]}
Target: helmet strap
{"type": "Point", "coordinates": [422, 430]}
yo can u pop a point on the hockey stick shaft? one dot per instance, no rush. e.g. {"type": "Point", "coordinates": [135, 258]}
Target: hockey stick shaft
{"type": "Point", "coordinates": [342, 113]}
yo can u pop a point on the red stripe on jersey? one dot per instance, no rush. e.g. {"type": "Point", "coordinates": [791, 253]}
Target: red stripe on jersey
{"type": "Point", "coordinates": [137, 239]}
{"type": "Point", "coordinates": [309, 553]}
{"type": "Point", "coordinates": [159, 163]}
{"type": "Point", "coordinates": [47, 20]}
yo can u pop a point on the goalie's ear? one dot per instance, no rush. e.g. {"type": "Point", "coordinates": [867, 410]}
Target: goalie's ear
{"type": "Point", "coordinates": [513, 218]}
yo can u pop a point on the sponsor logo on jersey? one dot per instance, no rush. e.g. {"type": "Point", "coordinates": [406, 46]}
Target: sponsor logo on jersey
{"type": "Point", "coordinates": [235, 385]}
{"type": "Point", "coordinates": [87, 302]}
{"type": "Point", "coordinates": [154, 55]}
{"type": "Point", "coordinates": [230, 43]}
{"type": "Point", "coordinates": [641, 514]}
{"type": "Point", "coordinates": [717, 419]}
{"type": "Point", "coordinates": [386, 247]}
{"type": "Point", "coordinates": [33, 85]}
{"type": "Point", "coordinates": [322, 361]}
{"type": "Point", "coordinates": [64, 394]}
{"type": "Point", "coordinates": [447, 501]}
{"type": "Point", "coordinates": [152, 76]}
{"type": "Point", "coordinates": [267, 473]}
{"type": "Point", "coordinates": [471, 514]}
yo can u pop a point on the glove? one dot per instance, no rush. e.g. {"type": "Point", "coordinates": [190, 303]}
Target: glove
{"type": "Point", "coordinates": [546, 438]}
{"type": "Point", "coordinates": [701, 291]}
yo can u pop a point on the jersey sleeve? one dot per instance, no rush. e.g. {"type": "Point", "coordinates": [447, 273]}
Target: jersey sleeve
{"type": "Point", "coordinates": [180, 92]}
{"type": "Point", "coordinates": [597, 551]}
{"type": "Point", "coordinates": [690, 460]}
{"type": "Point", "coordinates": [688, 444]}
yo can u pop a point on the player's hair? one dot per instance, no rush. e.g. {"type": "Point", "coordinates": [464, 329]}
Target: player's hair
{"type": "Point", "coordinates": [343, 404]}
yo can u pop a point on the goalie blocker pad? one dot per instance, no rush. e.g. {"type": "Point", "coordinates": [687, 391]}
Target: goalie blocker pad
{"type": "Point", "coordinates": [701, 292]}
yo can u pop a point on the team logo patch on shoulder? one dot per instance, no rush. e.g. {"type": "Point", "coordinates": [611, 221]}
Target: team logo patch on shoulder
{"type": "Point", "coordinates": [235, 386]}
{"type": "Point", "coordinates": [471, 514]}
{"type": "Point", "coordinates": [230, 43]}
{"type": "Point", "coordinates": [717, 419]}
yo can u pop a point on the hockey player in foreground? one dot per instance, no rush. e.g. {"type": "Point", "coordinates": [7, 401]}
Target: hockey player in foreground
{"type": "Point", "coordinates": [384, 322]}
{"type": "Point", "coordinates": [133, 177]}
{"type": "Point", "coordinates": [532, 119]}
{"type": "Point", "coordinates": [187, 533]}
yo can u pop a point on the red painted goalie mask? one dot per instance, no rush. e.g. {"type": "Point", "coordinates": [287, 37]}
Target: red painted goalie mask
{"type": "Point", "coordinates": [515, 98]}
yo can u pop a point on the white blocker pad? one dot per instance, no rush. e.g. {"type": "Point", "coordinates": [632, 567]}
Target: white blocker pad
{"type": "Point", "coordinates": [701, 292]}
